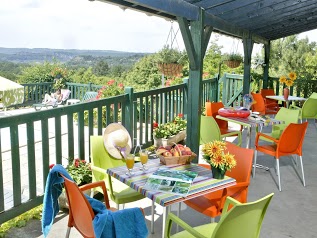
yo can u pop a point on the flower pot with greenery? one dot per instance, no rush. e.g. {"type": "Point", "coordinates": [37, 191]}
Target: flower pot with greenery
{"type": "Point", "coordinates": [81, 173]}
{"type": "Point", "coordinates": [171, 132]}
{"type": "Point", "coordinates": [232, 60]}
{"type": "Point", "coordinates": [214, 154]}
{"type": "Point", "coordinates": [170, 61]}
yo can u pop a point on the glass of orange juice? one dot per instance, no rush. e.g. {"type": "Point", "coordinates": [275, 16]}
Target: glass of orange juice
{"type": "Point", "coordinates": [129, 160]}
{"type": "Point", "coordinates": [144, 157]}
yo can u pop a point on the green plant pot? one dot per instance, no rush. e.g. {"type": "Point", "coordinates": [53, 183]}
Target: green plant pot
{"type": "Point", "coordinates": [218, 173]}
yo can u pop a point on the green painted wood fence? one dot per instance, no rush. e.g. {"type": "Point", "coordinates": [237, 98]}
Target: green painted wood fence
{"type": "Point", "coordinates": [30, 142]}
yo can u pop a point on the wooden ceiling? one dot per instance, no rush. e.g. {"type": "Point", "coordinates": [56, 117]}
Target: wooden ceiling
{"type": "Point", "coordinates": [263, 20]}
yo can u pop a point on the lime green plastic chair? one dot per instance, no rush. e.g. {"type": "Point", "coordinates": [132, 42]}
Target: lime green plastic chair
{"type": "Point", "coordinates": [100, 162]}
{"type": "Point", "coordinates": [286, 115]}
{"type": "Point", "coordinates": [313, 95]}
{"type": "Point", "coordinates": [243, 220]}
{"type": "Point", "coordinates": [210, 131]}
{"type": "Point", "coordinates": [309, 109]}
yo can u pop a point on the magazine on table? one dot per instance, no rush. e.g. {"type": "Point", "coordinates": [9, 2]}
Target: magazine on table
{"type": "Point", "coordinates": [171, 181]}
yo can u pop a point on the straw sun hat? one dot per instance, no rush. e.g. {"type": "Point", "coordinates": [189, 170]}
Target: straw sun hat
{"type": "Point", "coordinates": [117, 140]}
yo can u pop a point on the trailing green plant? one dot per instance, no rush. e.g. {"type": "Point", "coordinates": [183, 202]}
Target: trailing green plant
{"type": "Point", "coordinates": [21, 221]}
{"type": "Point", "coordinates": [170, 55]}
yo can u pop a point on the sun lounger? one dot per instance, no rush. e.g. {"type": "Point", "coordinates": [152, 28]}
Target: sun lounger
{"type": "Point", "coordinates": [65, 93]}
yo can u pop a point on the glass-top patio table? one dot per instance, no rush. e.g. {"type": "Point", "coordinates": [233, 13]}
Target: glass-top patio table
{"type": "Point", "coordinates": [290, 98]}
{"type": "Point", "coordinates": [202, 184]}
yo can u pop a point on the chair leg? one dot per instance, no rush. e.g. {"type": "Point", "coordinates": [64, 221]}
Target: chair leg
{"type": "Point", "coordinates": [68, 232]}
{"type": "Point", "coordinates": [278, 174]}
{"type": "Point", "coordinates": [301, 164]}
{"type": "Point", "coordinates": [254, 162]}
{"type": "Point", "coordinates": [152, 218]}
{"type": "Point", "coordinates": [117, 206]}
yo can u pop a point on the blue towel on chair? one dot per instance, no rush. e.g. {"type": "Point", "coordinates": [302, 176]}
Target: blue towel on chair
{"type": "Point", "coordinates": [127, 223]}
{"type": "Point", "coordinates": [53, 190]}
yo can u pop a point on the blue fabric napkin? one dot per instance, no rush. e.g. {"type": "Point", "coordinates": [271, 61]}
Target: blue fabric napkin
{"type": "Point", "coordinates": [127, 223]}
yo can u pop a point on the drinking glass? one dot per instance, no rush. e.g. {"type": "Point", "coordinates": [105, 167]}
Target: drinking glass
{"type": "Point", "coordinates": [129, 160]}
{"type": "Point", "coordinates": [144, 157]}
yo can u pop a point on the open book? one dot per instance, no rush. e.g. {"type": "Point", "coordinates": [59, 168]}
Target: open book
{"type": "Point", "coordinates": [171, 181]}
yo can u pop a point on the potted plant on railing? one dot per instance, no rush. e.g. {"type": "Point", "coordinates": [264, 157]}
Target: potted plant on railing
{"type": "Point", "coordinates": [171, 132]}
{"type": "Point", "coordinates": [170, 61]}
{"type": "Point", "coordinates": [232, 60]}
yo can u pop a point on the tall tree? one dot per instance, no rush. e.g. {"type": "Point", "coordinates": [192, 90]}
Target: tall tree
{"type": "Point", "coordinates": [101, 68]}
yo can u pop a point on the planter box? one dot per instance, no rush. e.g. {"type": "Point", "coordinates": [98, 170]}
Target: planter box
{"type": "Point", "coordinates": [171, 140]}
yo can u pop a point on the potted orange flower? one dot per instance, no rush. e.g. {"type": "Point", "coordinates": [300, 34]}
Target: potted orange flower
{"type": "Point", "coordinates": [220, 161]}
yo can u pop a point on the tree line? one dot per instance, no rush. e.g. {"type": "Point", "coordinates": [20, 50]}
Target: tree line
{"type": "Point", "coordinates": [287, 54]}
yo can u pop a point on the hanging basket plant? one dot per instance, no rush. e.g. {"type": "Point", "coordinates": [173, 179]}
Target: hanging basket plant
{"type": "Point", "coordinates": [170, 61]}
{"type": "Point", "coordinates": [232, 60]}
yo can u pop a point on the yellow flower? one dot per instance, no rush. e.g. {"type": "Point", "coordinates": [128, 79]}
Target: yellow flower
{"type": "Point", "coordinates": [292, 76]}
{"type": "Point", "coordinates": [214, 155]}
{"type": "Point", "coordinates": [289, 83]}
{"type": "Point", "coordinates": [283, 79]}
{"type": "Point", "coordinates": [290, 80]}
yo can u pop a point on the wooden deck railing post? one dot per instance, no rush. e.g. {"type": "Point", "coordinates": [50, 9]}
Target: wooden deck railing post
{"type": "Point", "coordinates": [128, 119]}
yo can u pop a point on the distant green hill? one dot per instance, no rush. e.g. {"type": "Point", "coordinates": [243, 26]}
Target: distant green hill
{"type": "Point", "coordinates": [72, 56]}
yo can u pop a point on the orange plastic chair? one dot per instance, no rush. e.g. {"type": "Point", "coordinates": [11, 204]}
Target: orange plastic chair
{"type": "Point", "coordinates": [290, 142]}
{"type": "Point", "coordinates": [81, 215]}
{"type": "Point", "coordinates": [212, 110]}
{"type": "Point", "coordinates": [212, 204]}
{"type": "Point", "coordinates": [270, 103]}
{"type": "Point", "coordinates": [262, 107]}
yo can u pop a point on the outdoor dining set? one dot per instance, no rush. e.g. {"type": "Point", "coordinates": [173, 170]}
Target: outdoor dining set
{"type": "Point", "coordinates": [125, 177]}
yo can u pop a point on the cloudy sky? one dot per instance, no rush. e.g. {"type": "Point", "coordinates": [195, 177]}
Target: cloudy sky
{"type": "Point", "coordinates": [81, 24]}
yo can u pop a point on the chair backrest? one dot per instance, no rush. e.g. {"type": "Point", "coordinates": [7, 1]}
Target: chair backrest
{"type": "Point", "coordinates": [287, 115]}
{"type": "Point", "coordinates": [313, 95]}
{"type": "Point", "coordinates": [243, 220]}
{"type": "Point", "coordinates": [242, 171]}
{"type": "Point", "coordinates": [102, 159]}
{"type": "Point", "coordinates": [209, 129]}
{"type": "Point", "coordinates": [244, 158]}
{"type": "Point", "coordinates": [259, 105]}
{"type": "Point", "coordinates": [66, 93]}
{"type": "Point", "coordinates": [291, 140]}
{"type": "Point", "coordinates": [88, 96]}
{"type": "Point", "coordinates": [309, 109]}
{"type": "Point", "coordinates": [267, 92]}
{"type": "Point", "coordinates": [212, 110]}
{"type": "Point", "coordinates": [80, 212]}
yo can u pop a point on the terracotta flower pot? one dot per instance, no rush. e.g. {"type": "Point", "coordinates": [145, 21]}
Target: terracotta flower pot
{"type": "Point", "coordinates": [286, 93]}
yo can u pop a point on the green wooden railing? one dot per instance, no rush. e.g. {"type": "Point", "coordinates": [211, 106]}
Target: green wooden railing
{"type": "Point", "coordinates": [34, 92]}
{"type": "Point", "coordinates": [231, 85]}
{"type": "Point", "coordinates": [30, 142]}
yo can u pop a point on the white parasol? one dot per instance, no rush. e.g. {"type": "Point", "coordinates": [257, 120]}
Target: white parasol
{"type": "Point", "coordinates": [11, 93]}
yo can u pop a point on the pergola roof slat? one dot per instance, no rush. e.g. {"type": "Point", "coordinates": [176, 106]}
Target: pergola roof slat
{"type": "Point", "coordinates": [263, 20]}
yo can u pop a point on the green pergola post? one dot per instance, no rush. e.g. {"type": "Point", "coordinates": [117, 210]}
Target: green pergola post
{"type": "Point", "coordinates": [247, 47]}
{"type": "Point", "coordinates": [267, 48]}
{"type": "Point", "coordinates": [196, 39]}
